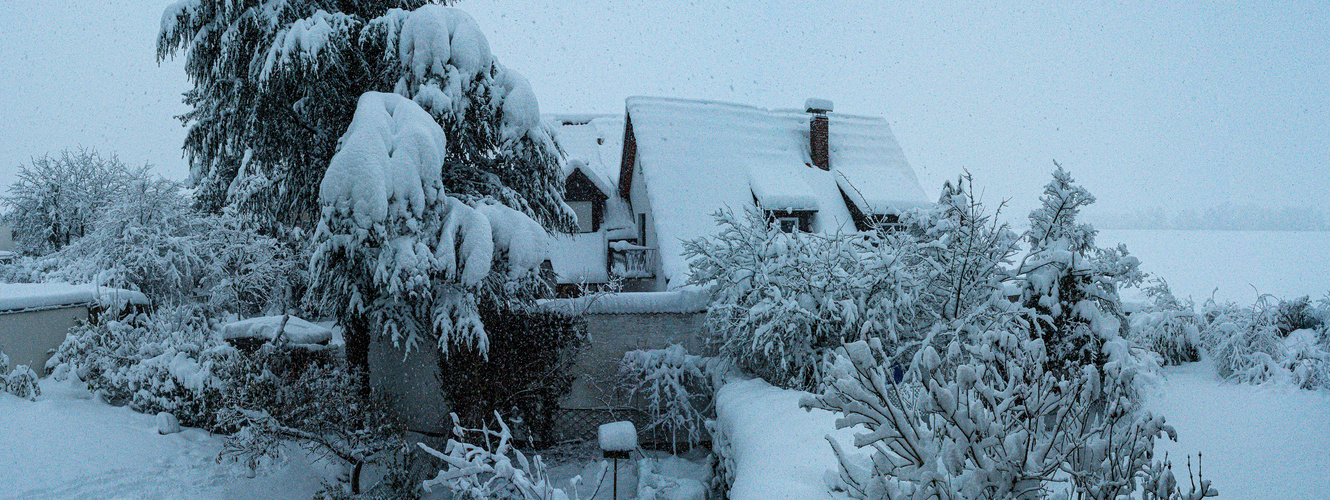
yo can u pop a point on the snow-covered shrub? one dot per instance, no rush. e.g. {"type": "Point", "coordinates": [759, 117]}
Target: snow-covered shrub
{"type": "Point", "coordinates": [1296, 314]}
{"type": "Point", "coordinates": [21, 381]}
{"type": "Point", "coordinates": [149, 239]}
{"type": "Point", "coordinates": [1248, 345]}
{"type": "Point", "coordinates": [993, 422]}
{"type": "Point", "coordinates": [526, 370]}
{"type": "Point", "coordinates": [168, 360]}
{"type": "Point", "coordinates": [784, 301]}
{"type": "Point", "coordinates": [674, 387]}
{"type": "Point", "coordinates": [481, 464]}
{"type": "Point", "coordinates": [319, 407]}
{"type": "Point", "coordinates": [1168, 327]}
{"type": "Point", "coordinates": [56, 200]}
{"type": "Point", "coordinates": [1159, 483]}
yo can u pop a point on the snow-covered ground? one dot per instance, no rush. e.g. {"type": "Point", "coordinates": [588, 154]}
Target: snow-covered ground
{"type": "Point", "coordinates": [1286, 264]}
{"type": "Point", "coordinates": [1270, 441]}
{"type": "Point", "coordinates": [68, 445]}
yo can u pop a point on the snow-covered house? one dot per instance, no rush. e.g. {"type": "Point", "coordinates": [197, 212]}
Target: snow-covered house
{"type": "Point", "coordinates": [644, 183]}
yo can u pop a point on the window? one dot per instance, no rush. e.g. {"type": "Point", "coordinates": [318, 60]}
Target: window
{"type": "Point", "coordinates": [789, 221]}
{"type": "Point", "coordinates": [586, 219]}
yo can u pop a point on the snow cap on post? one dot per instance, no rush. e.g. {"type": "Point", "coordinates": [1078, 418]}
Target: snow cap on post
{"type": "Point", "coordinates": [617, 436]}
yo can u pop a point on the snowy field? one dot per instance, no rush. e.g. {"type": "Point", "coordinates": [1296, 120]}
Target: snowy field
{"type": "Point", "coordinates": [1269, 441]}
{"type": "Point", "coordinates": [1239, 264]}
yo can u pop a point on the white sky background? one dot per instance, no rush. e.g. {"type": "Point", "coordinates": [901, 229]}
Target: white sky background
{"type": "Point", "coordinates": [1178, 106]}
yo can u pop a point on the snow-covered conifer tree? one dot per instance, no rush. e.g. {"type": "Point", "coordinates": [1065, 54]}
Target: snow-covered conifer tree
{"type": "Point", "coordinates": [1070, 285]}
{"type": "Point", "coordinates": [277, 81]}
{"type": "Point", "coordinates": [397, 254]}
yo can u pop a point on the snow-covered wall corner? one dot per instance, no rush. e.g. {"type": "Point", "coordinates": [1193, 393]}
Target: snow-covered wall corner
{"type": "Point", "coordinates": [682, 301]}
{"type": "Point", "coordinates": [389, 160]}
{"type": "Point", "coordinates": [776, 450]}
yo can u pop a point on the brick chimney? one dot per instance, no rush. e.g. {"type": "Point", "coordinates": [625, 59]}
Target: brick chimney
{"type": "Point", "coordinates": [817, 132]}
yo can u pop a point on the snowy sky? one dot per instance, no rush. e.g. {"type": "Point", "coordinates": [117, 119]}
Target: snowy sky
{"type": "Point", "coordinates": [1176, 106]}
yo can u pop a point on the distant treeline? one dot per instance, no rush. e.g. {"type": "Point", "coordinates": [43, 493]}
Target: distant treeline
{"type": "Point", "coordinates": [1225, 217]}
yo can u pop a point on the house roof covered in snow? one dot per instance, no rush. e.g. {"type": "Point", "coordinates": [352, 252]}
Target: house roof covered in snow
{"type": "Point", "coordinates": [19, 297]}
{"type": "Point", "coordinates": [697, 157]}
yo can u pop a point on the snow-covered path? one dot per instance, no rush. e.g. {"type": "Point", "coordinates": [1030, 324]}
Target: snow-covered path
{"type": "Point", "coordinates": [67, 445]}
{"type": "Point", "coordinates": [1258, 442]}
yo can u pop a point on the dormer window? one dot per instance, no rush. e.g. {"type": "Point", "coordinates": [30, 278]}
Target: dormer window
{"type": "Point", "coordinates": [789, 221]}
{"type": "Point", "coordinates": [586, 199]}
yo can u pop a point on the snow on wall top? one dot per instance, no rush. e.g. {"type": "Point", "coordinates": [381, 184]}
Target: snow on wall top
{"type": "Point", "coordinates": [16, 297]}
{"type": "Point", "coordinates": [699, 156]}
{"type": "Point", "coordinates": [389, 160]}
{"type": "Point", "coordinates": [682, 301]}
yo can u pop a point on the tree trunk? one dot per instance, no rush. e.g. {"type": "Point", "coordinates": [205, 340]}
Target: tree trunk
{"type": "Point", "coordinates": [356, 335]}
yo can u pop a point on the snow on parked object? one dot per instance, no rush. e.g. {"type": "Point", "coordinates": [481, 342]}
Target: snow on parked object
{"type": "Point", "coordinates": [617, 436]}
{"type": "Point", "coordinates": [778, 450]}
{"type": "Point", "coordinates": [687, 300]}
{"type": "Point", "coordinates": [295, 330]}
{"type": "Point", "coordinates": [389, 161]}
{"type": "Point", "coordinates": [23, 296]}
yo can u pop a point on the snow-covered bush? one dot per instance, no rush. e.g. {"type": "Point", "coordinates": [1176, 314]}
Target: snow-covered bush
{"type": "Point", "coordinates": [674, 387]}
{"type": "Point", "coordinates": [1248, 345]}
{"type": "Point", "coordinates": [21, 381]}
{"type": "Point", "coordinates": [56, 200]}
{"type": "Point", "coordinates": [481, 464]}
{"type": "Point", "coordinates": [1159, 483]}
{"type": "Point", "coordinates": [168, 361]}
{"type": "Point", "coordinates": [317, 406]}
{"type": "Point", "coordinates": [526, 370]}
{"type": "Point", "coordinates": [784, 301]}
{"type": "Point", "coordinates": [1168, 327]}
{"type": "Point", "coordinates": [993, 422]}
{"type": "Point", "coordinates": [149, 239]}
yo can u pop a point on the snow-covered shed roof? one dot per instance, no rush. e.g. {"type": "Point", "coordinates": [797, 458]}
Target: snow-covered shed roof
{"type": "Point", "coordinates": [17, 297]}
{"type": "Point", "coordinates": [700, 156]}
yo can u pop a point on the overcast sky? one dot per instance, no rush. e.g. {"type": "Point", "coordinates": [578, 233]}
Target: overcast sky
{"type": "Point", "coordinates": [1177, 106]}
